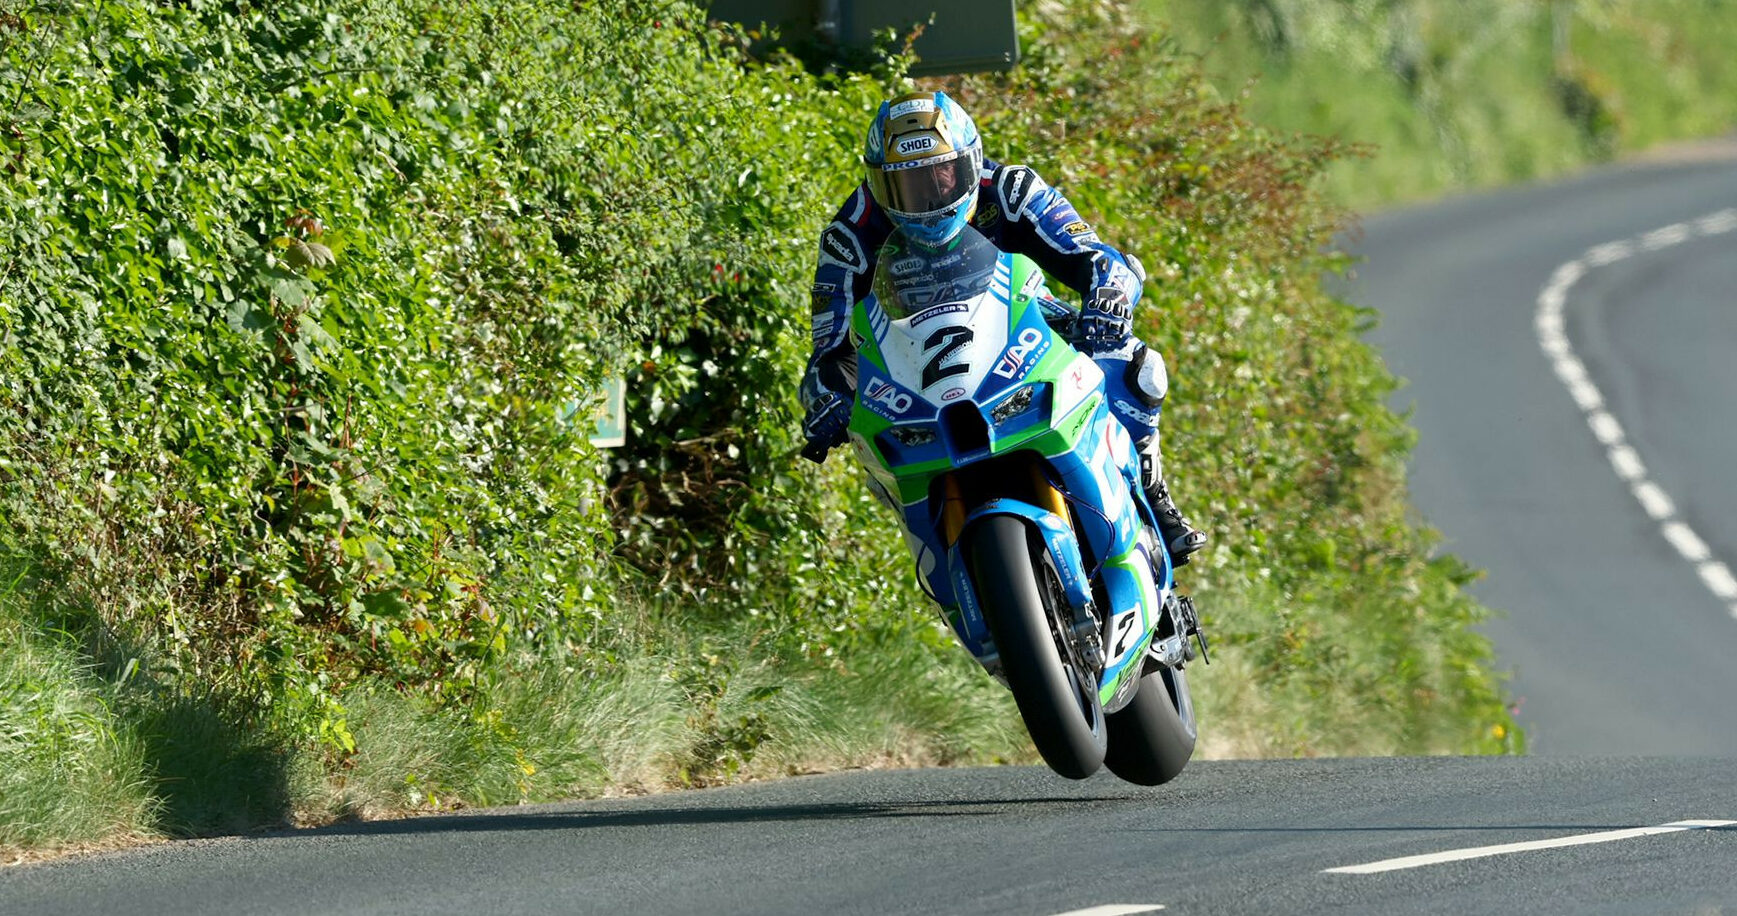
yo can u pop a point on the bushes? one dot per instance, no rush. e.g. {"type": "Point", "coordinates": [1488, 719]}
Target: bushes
{"type": "Point", "coordinates": [298, 300]}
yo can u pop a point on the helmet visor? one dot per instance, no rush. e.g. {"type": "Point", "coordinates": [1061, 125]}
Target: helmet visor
{"type": "Point", "coordinates": [926, 187]}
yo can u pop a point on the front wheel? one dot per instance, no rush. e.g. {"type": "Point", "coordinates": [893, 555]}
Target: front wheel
{"type": "Point", "coordinates": [1057, 696]}
{"type": "Point", "coordinates": [1152, 737]}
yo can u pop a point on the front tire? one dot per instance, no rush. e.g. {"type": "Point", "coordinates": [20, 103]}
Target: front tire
{"type": "Point", "coordinates": [1057, 696]}
{"type": "Point", "coordinates": [1152, 738]}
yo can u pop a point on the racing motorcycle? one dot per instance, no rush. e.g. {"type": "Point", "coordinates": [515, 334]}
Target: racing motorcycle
{"type": "Point", "coordinates": [991, 438]}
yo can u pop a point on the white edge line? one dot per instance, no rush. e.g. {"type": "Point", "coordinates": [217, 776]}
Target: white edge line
{"type": "Point", "coordinates": [1115, 909]}
{"type": "Point", "coordinates": [1551, 328]}
{"type": "Point", "coordinates": [1479, 852]}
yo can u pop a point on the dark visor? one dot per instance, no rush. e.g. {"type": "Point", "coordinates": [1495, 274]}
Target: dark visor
{"type": "Point", "coordinates": [926, 188]}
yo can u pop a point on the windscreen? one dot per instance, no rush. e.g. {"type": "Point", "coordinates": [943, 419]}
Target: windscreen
{"type": "Point", "coordinates": [912, 277]}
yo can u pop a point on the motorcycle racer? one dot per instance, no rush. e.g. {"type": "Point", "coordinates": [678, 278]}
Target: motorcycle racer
{"type": "Point", "coordinates": [927, 176]}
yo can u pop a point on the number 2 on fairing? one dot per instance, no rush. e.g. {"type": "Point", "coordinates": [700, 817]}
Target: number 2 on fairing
{"type": "Point", "coordinates": [951, 340]}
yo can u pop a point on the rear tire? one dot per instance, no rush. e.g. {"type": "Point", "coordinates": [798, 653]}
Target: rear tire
{"type": "Point", "coordinates": [1057, 697]}
{"type": "Point", "coordinates": [1152, 738]}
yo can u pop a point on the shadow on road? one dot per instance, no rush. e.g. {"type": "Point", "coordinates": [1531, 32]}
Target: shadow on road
{"type": "Point", "coordinates": [658, 817]}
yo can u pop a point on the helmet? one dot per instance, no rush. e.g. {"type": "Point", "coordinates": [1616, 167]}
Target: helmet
{"type": "Point", "coordinates": [923, 158]}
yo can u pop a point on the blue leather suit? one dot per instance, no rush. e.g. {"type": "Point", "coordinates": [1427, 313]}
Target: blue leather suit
{"type": "Point", "coordinates": [1019, 213]}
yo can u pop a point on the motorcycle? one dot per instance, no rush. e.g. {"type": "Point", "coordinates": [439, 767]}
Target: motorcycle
{"type": "Point", "coordinates": [991, 438]}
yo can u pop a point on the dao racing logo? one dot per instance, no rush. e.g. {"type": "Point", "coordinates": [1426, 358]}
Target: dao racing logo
{"type": "Point", "coordinates": [886, 399]}
{"type": "Point", "coordinates": [1030, 340]}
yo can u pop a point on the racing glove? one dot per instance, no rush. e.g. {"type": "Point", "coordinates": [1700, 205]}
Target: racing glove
{"type": "Point", "coordinates": [828, 418]}
{"type": "Point", "coordinates": [1106, 320]}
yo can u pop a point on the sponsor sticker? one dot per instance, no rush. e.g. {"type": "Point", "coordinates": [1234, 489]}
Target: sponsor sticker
{"type": "Point", "coordinates": [1077, 377]}
{"type": "Point", "coordinates": [911, 106]}
{"type": "Point", "coordinates": [888, 396]}
{"type": "Point", "coordinates": [904, 267]}
{"type": "Point", "coordinates": [1030, 339]}
{"type": "Point", "coordinates": [1077, 227]}
{"type": "Point", "coordinates": [936, 312]}
{"type": "Point", "coordinates": [838, 243]}
{"type": "Point", "coordinates": [912, 145]}
{"type": "Point", "coordinates": [987, 215]}
{"type": "Point", "coordinates": [953, 394]}
{"type": "Point", "coordinates": [1016, 186]}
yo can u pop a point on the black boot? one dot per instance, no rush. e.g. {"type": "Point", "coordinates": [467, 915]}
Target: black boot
{"type": "Point", "coordinates": [1181, 538]}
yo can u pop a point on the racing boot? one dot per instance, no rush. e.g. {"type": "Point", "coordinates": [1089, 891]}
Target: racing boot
{"type": "Point", "coordinates": [1181, 538]}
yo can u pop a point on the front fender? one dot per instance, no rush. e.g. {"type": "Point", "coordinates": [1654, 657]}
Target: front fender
{"type": "Point", "coordinates": [1058, 537]}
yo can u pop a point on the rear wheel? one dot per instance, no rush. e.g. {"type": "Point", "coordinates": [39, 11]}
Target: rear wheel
{"type": "Point", "coordinates": [1057, 695]}
{"type": "Point", "coordinates": [1152, 737]}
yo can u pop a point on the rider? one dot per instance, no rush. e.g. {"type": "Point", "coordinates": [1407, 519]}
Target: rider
{"type": "Point", "coordinates": [926, 172]}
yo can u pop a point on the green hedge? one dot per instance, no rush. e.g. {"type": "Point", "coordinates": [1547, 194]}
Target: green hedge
{"type": "Point", "coordinates": [298, 298]}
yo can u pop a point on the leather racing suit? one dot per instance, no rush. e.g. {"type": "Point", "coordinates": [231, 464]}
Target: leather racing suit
{"type": "Point", "coordinates": [1019, 213]}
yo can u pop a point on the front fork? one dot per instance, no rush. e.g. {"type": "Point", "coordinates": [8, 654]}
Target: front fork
{"type": "Point", "coordinates": [1048, 513]}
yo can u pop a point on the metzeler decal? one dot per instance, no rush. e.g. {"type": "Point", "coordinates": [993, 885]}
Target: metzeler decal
{"type": "Point", "coordinates": [936, 312]}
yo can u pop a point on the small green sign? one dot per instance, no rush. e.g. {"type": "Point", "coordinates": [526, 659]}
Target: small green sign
{"type": "Point", "coordinates": [608, 414]}
{"type": "Point", "coordinates": [611, 431]}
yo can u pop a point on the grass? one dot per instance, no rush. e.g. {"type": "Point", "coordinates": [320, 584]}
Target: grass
{"type": "Point", "coordinates": [1446, 94]}
{"type": "Point", "coordinates": [70, 772]}
{"type": "Point", "coordinates": [84, 757]}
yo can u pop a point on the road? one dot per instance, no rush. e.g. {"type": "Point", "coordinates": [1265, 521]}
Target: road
{"type": "Point", "coordinates": [1617, 641]}
{"type": "Point", "coordinates": [1226, 837]}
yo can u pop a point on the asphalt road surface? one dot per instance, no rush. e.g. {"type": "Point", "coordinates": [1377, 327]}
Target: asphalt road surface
{"type": "Point", "coordinates": [1225, 837]}
{"type": "Point", "coordinates": [1620, 621]}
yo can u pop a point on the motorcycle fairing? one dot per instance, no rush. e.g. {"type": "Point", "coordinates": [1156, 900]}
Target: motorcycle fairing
{"type": "Point", "coordinates": [984, 355]}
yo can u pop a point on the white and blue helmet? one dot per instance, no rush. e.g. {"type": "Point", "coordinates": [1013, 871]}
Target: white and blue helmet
{"type": "Point", "coordinates": [923, 157]}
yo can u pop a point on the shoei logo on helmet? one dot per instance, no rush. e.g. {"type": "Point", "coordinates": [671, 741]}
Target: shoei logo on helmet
{"type": "Point", "coordinates": [916, 145]}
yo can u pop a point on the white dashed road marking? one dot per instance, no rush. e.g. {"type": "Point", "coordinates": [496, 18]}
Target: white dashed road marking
{"type": "Point", "coordinates": [1553, 340]}
{"type": "Point", "coordinates": [1479, 852]}
{"type": "Point", "coordinates": [1115, 909]}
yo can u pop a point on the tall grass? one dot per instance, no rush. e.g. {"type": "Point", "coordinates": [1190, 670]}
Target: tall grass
{"type": "Point", "coordinates": [70, 772]}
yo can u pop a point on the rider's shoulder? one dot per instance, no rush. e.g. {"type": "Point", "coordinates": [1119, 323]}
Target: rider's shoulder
{"type": "Point", "coordinates": [1013, 185]}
